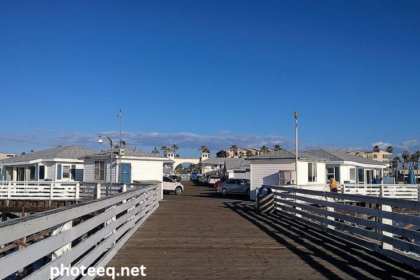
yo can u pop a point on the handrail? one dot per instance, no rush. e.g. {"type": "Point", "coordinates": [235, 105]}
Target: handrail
{"type": "Point", "coordinates": [347, 216]}
{"type": "Point", "coordinates": [88, 229]}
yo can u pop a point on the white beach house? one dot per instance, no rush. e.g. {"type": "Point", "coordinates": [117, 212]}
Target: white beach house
{"type": "Point", "coordinates": [279, 167]}
{"type": "Point", "coordinates": [56, 164]}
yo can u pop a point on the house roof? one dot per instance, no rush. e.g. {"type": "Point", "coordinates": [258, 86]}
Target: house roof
{"type": "Point", "coordinates": [214, 161]}
{"type": "Point", "coordinates": [128, 152]}
{"type": "Point", "coordinates": [334, 155]}
{"type": "Point", "coordinates": [66, 152]}
{"type": "Point", "coordinates": [287, 154]}
{"type": "Point", "coordinates": [234, 163]}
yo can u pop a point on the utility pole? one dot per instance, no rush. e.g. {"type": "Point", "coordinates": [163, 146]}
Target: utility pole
{"type": "Point", "coordinates": [296, 148]}
{"type": "Point", "coordinates": [120, 116]}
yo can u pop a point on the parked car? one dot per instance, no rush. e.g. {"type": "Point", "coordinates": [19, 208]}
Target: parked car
{"type": "Point", "coordinates": [219, 182]}
{"type": "Point", "coordinates": [234, 186]}
{"type": "Point", "coordinates": [170, 186]}
{"type": "Point", "coordinates": [175, 178]}
{"type": "Point", "coordinates": [213, 179]}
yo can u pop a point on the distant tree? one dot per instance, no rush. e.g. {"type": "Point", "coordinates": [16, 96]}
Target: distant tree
{"type": "Point", "coordinates": [155, 151]}
{"type": "Point", "coordinates": [249, 153]}
{"type": "Point", "coordinates": [395, 164]}
{"type": "Point", "coordinates": [32, 151]}
{"type": "Point", "coordinates": [376, 149]}
{"type": "Point", "coordinates": [263, 149]}
{"type": "Point", "coordinates": [175, 147]}
{"type": "Point", "coordinates": [234, 148]}
{"type": "Point", "coordinates": [389, 149]}
{"type": "Point", "coordinates": [406, 157]}
{"type": "Point", "coordinates": [177, 155]}
{"type": "Point", "coordinates": [241, 154]}
{"type": "Point", "coordinates": [23, 153]}
{"type": "Point", "coordinates": [277, 147]}
{"type": "Point", "coordinates": [116, 146]}
{"type": "Point", "coordinates": [417, 165]}
{"type": "Point", "coordinates": [204, 149]}
{"type": "Point", "coordinates": [164, 149]}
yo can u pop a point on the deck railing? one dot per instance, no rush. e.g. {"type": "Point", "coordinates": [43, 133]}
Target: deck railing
{"type": "Point", "coordinates": [86, 235]}
{"type": "Point", "coordinates": [386, 225]}
{"type": "Point", "coordinates": [35, 190]}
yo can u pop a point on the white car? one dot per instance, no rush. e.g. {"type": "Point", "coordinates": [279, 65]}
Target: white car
{"type": "Point", "coordinates": [170, 185]}
{"type": "Point", "coordinates": [213, 179]}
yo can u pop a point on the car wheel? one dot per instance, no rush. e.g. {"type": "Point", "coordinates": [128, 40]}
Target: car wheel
{"type": "Point", "coordinates": [178, 190]}
{"type": "Point", "coordinates": [248, 192]}
{"type": "Point", "coordinates": [224, 191]}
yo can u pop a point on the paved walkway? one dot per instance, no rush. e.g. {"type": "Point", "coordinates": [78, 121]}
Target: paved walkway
{"type": "Point", "coordinates": [201, 235]}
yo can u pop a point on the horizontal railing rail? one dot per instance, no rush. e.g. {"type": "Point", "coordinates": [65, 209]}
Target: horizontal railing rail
{"type": "Point", "coordinates": [86, 235]}
{"type": "Point", "coordinates": [39, 190]}
{"type": "Point", "coordinates": [403, 191]}
{"type": "Point", "coordinates": [386, 225]}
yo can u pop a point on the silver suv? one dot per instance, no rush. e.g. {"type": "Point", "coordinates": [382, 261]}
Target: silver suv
{"type": "Point", "coordinates": [237, 186]}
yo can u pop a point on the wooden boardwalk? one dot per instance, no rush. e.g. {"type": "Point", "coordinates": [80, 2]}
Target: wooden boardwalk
{"type": "Point", "coordinates": [201, 235]}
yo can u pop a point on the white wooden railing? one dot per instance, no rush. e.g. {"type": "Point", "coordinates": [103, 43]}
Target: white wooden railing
{"type": "Point", "coordinates": [88, 234]}
{"type": "Point", "coordinates": [403, 191]}
{"type": "Point", "coordinates": [35, 190]}
{"type": "Point", "coordinates": [344, 216]}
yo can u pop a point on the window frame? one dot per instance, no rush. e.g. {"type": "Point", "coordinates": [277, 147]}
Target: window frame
{"type": "Point", "coordinates": [98, 171]}
{"type": "Point", "coordinates": [312, 172]}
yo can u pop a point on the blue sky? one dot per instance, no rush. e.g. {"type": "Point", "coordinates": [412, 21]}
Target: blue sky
{"type": "Point", "coordinates": [212, 73]}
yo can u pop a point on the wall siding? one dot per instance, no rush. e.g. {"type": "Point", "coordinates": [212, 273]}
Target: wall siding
{"type": "Point", "coordinates": [267, 174]}
{"type": "Point", "coordinates": [145, 170]}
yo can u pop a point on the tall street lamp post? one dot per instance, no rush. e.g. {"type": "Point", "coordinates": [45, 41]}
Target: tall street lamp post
{"type": "Point", "coordinates": [296, 143]}
{"type": "Point", "coordinates": [100, 141]}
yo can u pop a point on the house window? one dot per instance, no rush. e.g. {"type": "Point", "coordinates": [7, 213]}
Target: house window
{"type": "Point", "coordinates": [66, 172]}
{"type": "Point", "coordinates": [312, 172]}
{"type": "Point", "coordinates": [30, 175]}
{"type": "Point", "coordinates": [361, 175]}
{"type": "Point", "coordinates": [9, 173]}
{"type": "Point", "coordinates": [330, 173]}
{"type": "Point", "coordinates": [375, 156]}
{"type": "Point", "coordinates": [99, 170]}
{"type": "Point", "coordinates": [41, 172]}
{"type": "Point", "coordinates": [352, 174]}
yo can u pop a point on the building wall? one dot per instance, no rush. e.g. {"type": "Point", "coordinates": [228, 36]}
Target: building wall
{"type": "Point", "coordinates": [145, 170]}
{"type": "Point", "coordinates": [266, 173]}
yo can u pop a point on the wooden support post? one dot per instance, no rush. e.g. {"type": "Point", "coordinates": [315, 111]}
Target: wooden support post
{"type": "Point", "coordinates": [77, 192]}
{"type": "Point", "coordinates": [51, 194]}
{"type": "Point", "coordinates": [57, 230]}
{"type": "Point", "coordinates": [98, 191]}
{"type": "Point", "coordinates": [386, 208]}
{"type": "Point", "coordinates": [330, 209]}
{"type": "Point", "coordinates": [3, 217]}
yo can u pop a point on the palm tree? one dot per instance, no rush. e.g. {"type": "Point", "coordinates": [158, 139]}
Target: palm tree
{"type": "Point", "coordinates": [263, 149]}
{"type": "Point", "coordinates": [204, 149]}
{"type": "Point", "coordinates": [277, 147]}
{"type": "Point", "coordinates": [417, 153]}
{"type": "Point", "coordinates": [406, 156]}
{"type": "Point", "coordinates": [164, 149]}
{"type": "Point", "coordinates": [235, 150]}
{"type": "Point", "coordinates": [389, 149]}
{"type": "Point", "coordinates": [175, 147]}
{"type": "Point", "coordinates": [155, 151]}
{"type": "Point", "coordinates": [376, 149]}
{"type": "Point", "coordinates": [395, 163]}
{"type": "Point", "coordinates": [241, 154]}
{"type": "Point", "coordinates": [249, 153]}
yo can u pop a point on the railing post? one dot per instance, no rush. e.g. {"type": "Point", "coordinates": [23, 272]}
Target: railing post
{"type": "Point", "coordinates": [51, 194]}
{"type": "Point", "coordinates": [9, 193]}
{"type": "Point", "coordinates": [98, 191]}
{"type": "Point", "coordinates": [385, 208]}
{"type": "Point", "coordinates": [77, 192]}
{"type": "Point", "coordinates": [56, 230]}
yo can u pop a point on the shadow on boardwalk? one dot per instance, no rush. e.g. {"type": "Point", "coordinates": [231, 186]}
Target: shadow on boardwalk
{"type": "Point", "coordinates": [354, 261]}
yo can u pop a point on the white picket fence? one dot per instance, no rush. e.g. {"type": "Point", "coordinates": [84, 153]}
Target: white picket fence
{"type": "Point", "coordinates": [31, 190]}
{"type": "Point", "coordinates": [343, 216]}
{"type": "Point", "coordinates": [402, 191]}
{"type": "Point", "coordinates": [88, 234]}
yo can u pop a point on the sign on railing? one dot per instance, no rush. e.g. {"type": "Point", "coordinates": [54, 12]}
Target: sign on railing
{"type": "Point", "coordinates": [389, 226]}
{"type": "Point", "coordinates": [86, 235]}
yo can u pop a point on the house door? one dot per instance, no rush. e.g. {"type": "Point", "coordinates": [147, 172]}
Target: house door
{"type": "Point", "coordinates": [125, 174]}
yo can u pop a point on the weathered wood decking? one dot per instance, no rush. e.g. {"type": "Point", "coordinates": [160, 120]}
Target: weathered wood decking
{"type": "Point", "coordinates": [201, 235]}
